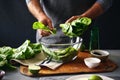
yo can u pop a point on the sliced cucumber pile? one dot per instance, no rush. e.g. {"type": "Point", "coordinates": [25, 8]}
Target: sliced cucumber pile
{"type": "Point", "coordinates": [34, 69]}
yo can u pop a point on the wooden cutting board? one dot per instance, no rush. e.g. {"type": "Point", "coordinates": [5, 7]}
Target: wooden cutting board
{"type": "Point", "coordinates": [76, 66]}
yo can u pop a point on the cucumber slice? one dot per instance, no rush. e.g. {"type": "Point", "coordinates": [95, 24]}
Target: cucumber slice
{"type": "Point", "coordinates": [34, 69]}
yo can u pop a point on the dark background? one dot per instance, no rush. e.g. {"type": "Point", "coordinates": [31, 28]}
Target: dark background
{"type": "Point", "coordinates": [16, 25]}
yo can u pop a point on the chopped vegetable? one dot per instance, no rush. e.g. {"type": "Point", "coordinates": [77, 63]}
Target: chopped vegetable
{"type": "Point", "coordinates": [40, 25]}
{"type": "Point", "coordinates": [76, 28]}
{"type": "Point", "coordinates": [34, 69]}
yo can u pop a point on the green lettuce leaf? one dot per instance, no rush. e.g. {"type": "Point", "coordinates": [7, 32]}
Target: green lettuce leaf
{"type": "Point", "coordinates": [27, 50]}
{"type": "Point", "coordinates": [40, 25]}
{"type": "Point", "coordinates": [77, 27]}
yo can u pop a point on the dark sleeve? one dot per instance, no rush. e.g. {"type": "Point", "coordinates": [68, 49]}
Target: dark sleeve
{"type": "Point", "coordinates": [106, 4]}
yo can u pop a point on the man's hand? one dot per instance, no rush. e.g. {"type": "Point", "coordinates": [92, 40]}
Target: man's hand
{"type": "Point", "coordinates": [46, 21]}
{"type": "Point", "coordinates": [36, 9]}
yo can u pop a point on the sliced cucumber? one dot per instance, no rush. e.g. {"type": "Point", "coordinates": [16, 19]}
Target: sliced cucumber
{"type": "Point", "coordinates": [34, 69]}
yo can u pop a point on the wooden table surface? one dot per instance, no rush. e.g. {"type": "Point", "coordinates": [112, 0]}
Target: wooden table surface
{"type": "Point", "coordinates": [114, 56]}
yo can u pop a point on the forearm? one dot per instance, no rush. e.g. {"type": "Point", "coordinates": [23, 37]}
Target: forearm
{"type": "Point", "coordinates": [35, 8]}
{"type": "Point", "coordinates": [94, 11]}
{"type": "Point", "coordinates": [98, 8]}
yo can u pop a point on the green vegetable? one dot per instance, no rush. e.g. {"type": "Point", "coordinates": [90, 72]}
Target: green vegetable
{"type": "Point", "coordinates": [49, 52]}
{"type": "Point", "coordinates": [7, 51]}
{"type": "Point", "coordinates": [5, 57]}
{"type": "Point", "coordinates": [3, 60]}
{"type": "Point", "coordinates": [77, 27]}
{"type": "Point", "coordinates": [95, 77]}
{"type": "Point", "coordinates": [67, 54]}
{"type": "Point", "coordinates": [63, 55]}
{"type": "Point", "coordinates": [27, 50]}
{"type": "Point", "coordinates": [34, 69]}
{"type": "Point", "coordinates": [40, 25]}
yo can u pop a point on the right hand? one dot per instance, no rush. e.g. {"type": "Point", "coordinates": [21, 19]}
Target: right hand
{"type": "Point", "coordinates": [46, 21]}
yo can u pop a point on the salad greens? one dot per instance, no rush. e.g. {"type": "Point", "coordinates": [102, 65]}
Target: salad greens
{"type": "Point", "coordinates": [26, 51]}
{"type": "Point", "coordinates": [77, 27]}
{"type": "Point", "coordinates": [40, 25]}
{"type": "Point", "coordinates": [5, 56]}
{"type": "Point", "coordinates": [63, 55]}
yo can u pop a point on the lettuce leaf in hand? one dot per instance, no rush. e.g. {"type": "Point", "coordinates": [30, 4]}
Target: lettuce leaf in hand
{"type": "Point", "coordinates": [40, 25]}
{"type": "Point", "coordinates": [77, 27]}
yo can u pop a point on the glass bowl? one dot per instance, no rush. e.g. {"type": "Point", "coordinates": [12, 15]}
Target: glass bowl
{"type": "Point", "coordinates": [62, 52]}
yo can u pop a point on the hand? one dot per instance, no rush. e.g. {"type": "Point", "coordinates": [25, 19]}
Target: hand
{"type": "Point", "coordinates": [72, 18]}
{"type": "Point", "coordinates": [46, 21]}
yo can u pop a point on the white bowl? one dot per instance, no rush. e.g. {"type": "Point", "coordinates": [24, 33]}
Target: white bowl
{"type": "Point", "coordinates": [101, 54]}
{"type": "Point", "coordinates": [92, 62]}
